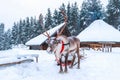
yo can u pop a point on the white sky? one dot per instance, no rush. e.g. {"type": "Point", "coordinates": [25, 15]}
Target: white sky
{"type": "Point", "coordinates": [13, 10]}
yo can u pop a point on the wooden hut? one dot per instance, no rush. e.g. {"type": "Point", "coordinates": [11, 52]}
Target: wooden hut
{"type": "Point", "coordinates": [38, 42]}
{"type": "Point", "coordinates": [100, 36]}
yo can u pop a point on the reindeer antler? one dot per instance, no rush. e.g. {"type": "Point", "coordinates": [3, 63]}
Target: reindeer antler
{"type": "Point", "coordinates": [65, 20]}
{"type": "Point", "coordinates": [47, 35]}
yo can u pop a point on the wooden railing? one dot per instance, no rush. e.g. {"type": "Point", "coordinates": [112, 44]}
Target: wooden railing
{"type": "Point", "coordinates": [18, 59]}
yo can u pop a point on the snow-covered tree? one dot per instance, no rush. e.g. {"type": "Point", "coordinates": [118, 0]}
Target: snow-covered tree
{"type": "Point", "coordinates": [74, 18]}
{"type": "Point", "coordinates": [91, 10]}
{"type": "Point", "coordinates": [68, 12]}
{"type": "Point", "coordinates": [7, 40]}
{"type": "Point", "coordinates": [23, 33]}
{"type": "Point", "coordinates": [1, 36]}
{"type": "Point", "coordinates": [15, 33]}
{"type": "Point", "coordinates": [1, 42]}
{"type": "Point", "coordinates": [41, 21]}
{"type": "Point", "coordinates": [39, 26]}
{"type": "Point", "coordinates": [20, 25]}
{"type": "Point", "coordinates": [60, 15]}
{"type": "Point", "coordinates": [48, 20]}
{"type": "Point", "coordinates": [28, 28]}
{"type": "Point", "coordinates": [55, 17]}
{"type": "Point", "coordinates": [113, 13]}
{"type": "Point", "coordinates": [1, 28]}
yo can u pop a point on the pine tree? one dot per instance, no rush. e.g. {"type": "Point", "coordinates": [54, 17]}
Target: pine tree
{"type": "Point", "coordinates": [2, 42]}
{"type": "Point", "coordinates": [39, 27]}
{"type": "Point", "coordinates": [15, 34]}
{"type": "Point", "coordinates": [55, 17]}
{"type": "Point", "coordinates": [31, 28]}
{"type": "Point", "coordinates": [34, 27]}
{"type": "Point", "coordinates": [69, 11]}
{"type": "Point", "coordinates": [74, 19]}
{"type": "Point", "coordinates": [1, 28]}
{"type": "Point", "coordinates": [60, 15]}
{"type": "Point", "coordinates": [91, 10]}
{"type": "Point", "coordinates": [113, 13]}
{"type": "Point", "coordinates": [7, 40]}
{"type": "Point", "coordinates": [23, 33]}
{"type": "Point", "coordinates": [1, 36]}
{"type": "Point", "coordinates": [20, 31]}
{"type": "Point", "coordinates": [48, 20]}
{"type": "Point", "coordinates": [41, 21]}
{"type": "Point", "coordinates": [28, 29]}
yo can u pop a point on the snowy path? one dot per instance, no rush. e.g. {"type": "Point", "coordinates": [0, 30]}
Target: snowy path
{"type": "Point", "coordinates": [97, 66]}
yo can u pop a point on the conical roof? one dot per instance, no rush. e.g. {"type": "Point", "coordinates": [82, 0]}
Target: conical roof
{"type": "Point", "coordinates": [99, 31]}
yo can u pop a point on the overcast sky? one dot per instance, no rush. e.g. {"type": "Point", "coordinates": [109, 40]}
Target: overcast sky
{"type": "Point", "coordinates": [13, 10]}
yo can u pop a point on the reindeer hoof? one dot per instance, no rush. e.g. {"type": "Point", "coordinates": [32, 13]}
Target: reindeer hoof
{"type": "Point", "coordinates": [78, 67]}
{"type": "Point", "coordinates": [71, 67]}
{"type": "Point", "coordinates": [65, 71]}
{"type": "Point", "coordinates": [60, 71]}
{"type": "Point", "coordinates": [58, 64]}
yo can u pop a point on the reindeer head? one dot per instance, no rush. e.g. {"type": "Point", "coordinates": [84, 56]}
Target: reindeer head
{"type": "Point", "coordinates": [53, 41]}
{"type": "Point", "coordinates": [49, 41]}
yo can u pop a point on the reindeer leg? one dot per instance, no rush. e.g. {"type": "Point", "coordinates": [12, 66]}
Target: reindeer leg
{"type": "Point", "coordinates": [61, 69]}
{"type": "Point", "coordinates": [73, 61]}
{"type": "Point", "coordinates": [66, 63]}
{"type": "Point", "coordinates": [78, 59]}
{"type": "Point", "coordinates": [78, 62]}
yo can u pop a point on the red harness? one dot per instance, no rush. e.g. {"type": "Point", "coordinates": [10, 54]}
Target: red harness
{"type": "Point", "coordinates": [62, 48]}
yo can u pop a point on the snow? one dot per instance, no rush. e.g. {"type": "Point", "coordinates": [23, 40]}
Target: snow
{"type": "Point", "coordinates": [99, 31]}
{"type": "Point", "coordinates": [13, 56]}
{"type": "Point", "coordinates": [41, 38]}
{"type": "Point", "coordinates": [96, 65]}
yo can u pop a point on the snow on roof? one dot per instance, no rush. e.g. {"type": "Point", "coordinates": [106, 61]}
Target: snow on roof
{"type": "Point", "coordinates": [99, 31]}
{"type": "Point", "coordinates": [41, 38]}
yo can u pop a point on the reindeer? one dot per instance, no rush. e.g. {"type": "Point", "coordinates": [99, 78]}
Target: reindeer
{"type": "Point", "coordinates": [63, 46]}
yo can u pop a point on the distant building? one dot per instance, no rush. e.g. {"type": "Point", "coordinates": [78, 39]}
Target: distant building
{"type": "Point", "coordinates": [100, 36]}
{"type": "Point", "coordinates": [1, 28]}
{"type": "Point", "coordinates": [38, 42]}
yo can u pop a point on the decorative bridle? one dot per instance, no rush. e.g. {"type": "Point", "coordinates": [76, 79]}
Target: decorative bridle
{"type": "Point", "coordinates": [63, 44]}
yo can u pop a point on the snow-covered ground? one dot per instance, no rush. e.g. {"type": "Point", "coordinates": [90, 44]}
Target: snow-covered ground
{"type": "Point", "coordinates": [95, 66]}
